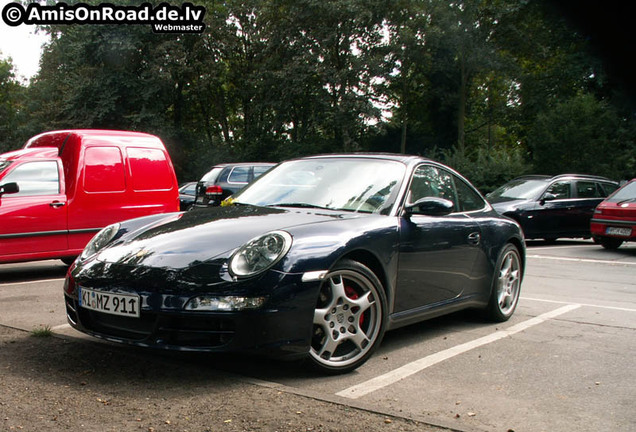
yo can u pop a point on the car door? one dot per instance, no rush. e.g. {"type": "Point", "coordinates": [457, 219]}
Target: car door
{"type": "Point", "coordinates": [551, 215]}
{"type": "Point", "coordinates": [589, 194]}
{"type": "Point", "coordinates": [34, 220]}
{"type": "Point", "coordinates": [437, 253]}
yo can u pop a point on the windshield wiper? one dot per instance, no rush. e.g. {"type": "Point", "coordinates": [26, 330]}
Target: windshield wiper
{"type": "Point", "coordinates": [626, 201]}
{"type": "Point", "coordinates": [299, 205]}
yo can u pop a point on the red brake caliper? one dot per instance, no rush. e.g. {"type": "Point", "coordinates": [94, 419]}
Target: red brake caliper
{"type": "Point", "coordinates": [353, 295]}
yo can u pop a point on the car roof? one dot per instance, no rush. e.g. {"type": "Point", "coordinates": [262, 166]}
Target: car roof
{"type": "Point", "coordinates": [226, 164]}
{"type": "Point", "coordinates": [408, 160]}
{"type": "Point", "coordinates": [564, 176]}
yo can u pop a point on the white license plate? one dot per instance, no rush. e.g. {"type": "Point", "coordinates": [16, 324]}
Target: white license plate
{"type": "Point", "coordinates": [623, 232]}
{"type": "Point", "coordinates": [110, 303]}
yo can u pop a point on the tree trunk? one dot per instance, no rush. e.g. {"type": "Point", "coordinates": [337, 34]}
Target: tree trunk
{"type": "Point", "coordinates": [461, 111]}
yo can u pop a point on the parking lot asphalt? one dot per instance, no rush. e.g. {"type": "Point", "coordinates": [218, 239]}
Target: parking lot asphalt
{"type": "Point", "coordinates": [563, 362]}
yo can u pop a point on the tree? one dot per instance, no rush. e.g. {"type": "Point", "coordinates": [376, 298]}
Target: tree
{"type": "Point", "coordinates": [581, 134]}
{"type": "Point", "coordinates": [11, 112]}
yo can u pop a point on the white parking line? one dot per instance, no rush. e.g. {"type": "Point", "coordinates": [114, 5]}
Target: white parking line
{"type": "Point", "coordinates": [584, 260]}
{"type": "Point", "coordinates": [61, 327]}
{"type": "Point", "coordinates": [561, 247]}
{"type": "Point", "coordinates": [580, 304]}
{"type": "Point", "coordinates": [409, 369]}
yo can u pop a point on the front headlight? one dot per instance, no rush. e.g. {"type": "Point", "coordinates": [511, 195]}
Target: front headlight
{"type": "Point", "coordinates": [100, 240]}
{"type": "Point", "coordinates": [260, 254]}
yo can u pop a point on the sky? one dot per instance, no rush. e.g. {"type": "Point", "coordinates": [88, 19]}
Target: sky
{"type": "Point", "coordinates": [23, 45]}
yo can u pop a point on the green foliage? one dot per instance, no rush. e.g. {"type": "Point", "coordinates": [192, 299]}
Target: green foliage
{"type": "Point", "coordinates": [488, 168]}
{"type": "Point", "coordinates": [581, 135]}
{"type": "Point", "coordinates": [497, 88]}
{"type": "Point", "coordinates": [42, 332]}
{"type": "Point", "coordinates": [11, 99]}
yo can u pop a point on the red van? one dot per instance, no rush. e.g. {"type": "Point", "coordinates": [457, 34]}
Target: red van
{"type": "Point", "coordinates": [64, 186]}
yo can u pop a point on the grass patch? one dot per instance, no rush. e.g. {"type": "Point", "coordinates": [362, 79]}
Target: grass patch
{"type": "Point", "coordinates": [44, 331]}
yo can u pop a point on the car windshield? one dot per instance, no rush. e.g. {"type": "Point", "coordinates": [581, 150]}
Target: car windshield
{"type": "Point", "coordinates": [350, 184]}
{"type": "Point", "coordinates": [518, 189]}
{"type": "Point", "coordinates": [626, 193]}
{"type": "Point", "coordinates": [211, 176]}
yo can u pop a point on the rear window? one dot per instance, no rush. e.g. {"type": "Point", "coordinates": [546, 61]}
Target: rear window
{"type": "Point", "coordinates": [104, 170]}
{"type": "Point", "coordinates": [212, 175]}
{"type": "Point", "coordinates": [150, 169]}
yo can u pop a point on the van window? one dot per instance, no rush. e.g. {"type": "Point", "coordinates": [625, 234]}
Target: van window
{"type": "Point", "coordinates": [4, 164]}
{"type": "Point", "coordinates": [35, 178]}
{"type": "Point", "coordinates": [149, 169]}
{"type": "Point", "coordinates": [104, 170]}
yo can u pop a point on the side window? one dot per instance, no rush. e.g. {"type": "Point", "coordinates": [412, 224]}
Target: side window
{"type": "Point", "coordinates": [149, 169]}
{"type": "Point", "coordinates": [190, 190]}
{"type": "Point", "coordinates": [467, 198]}
{"type": "Point", "coordinates": [260, 169]}
{"type": "Point", "coordinates": [608, 188]}
{"type": "Point", "coordinates": [588, 189]}
{"type": "Point", "coordinates": [430, 181]}
{"type": "Point", "coordinates": [561, 190]}
{"type": "Point", "coordinates": [239, 174]}
{"type": "Point", "coordinates": [103, 170]}
{"type": "Point", "coordinates": [35, 178]}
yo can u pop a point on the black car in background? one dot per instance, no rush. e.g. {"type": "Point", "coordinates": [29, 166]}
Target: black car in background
{"type": "Point", "coordinates": [224, 180]}
{"type": "Point", "coordinates": [187, 194]}
{"type": "Point", "coordinates": [552, 207]}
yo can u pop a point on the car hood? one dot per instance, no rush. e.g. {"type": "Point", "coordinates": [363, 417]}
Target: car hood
{"type": "Point", "coordinates": [186, 239]}
{"type": "Point", "coordinates": [503, 206]}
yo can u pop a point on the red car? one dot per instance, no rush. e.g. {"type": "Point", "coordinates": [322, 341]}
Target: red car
{"type": "Point", "coordinates": [614, 220]}
{"type": "Point", "coordinates": [64, 186]}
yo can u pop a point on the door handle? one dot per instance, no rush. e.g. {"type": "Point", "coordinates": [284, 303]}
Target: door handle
{"type": "Point", "coordinates": [57, 204]}
{"type": "Point", "coordinates": [474, 238]}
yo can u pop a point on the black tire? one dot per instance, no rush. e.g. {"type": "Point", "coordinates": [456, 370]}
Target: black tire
{"type": "Point", "coordinates": [349, 319]}
{"type": "Point", "coordinates": [506, 284]}
{"type": "Point", "coordinates": [68, 260]}
{"type": "Point", "coordinates": [610, 243]}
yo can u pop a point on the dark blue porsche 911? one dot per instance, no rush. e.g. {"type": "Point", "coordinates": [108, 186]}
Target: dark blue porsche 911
{"type": "Point", "coordinates": [317, 258]}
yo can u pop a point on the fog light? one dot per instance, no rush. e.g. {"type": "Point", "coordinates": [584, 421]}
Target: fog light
{"type": "Point", "coordinates": [225, 303]}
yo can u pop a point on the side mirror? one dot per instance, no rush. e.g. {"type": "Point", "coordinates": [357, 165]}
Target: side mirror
{"type": "Point", "coordinates": [9, 188]}
{"type": "Point", "coordinates": [547, 197]}
{"type": "Point", "coordinates": [430, 206]}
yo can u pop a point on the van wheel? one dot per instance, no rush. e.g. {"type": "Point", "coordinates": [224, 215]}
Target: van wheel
{"type": "Point", "coordinates": [68, 260]}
